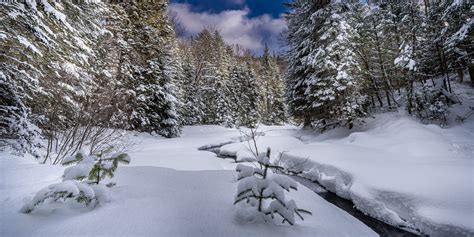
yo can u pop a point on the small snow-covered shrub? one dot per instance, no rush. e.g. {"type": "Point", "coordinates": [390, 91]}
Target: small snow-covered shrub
{"type": "Point", "coordinates": [93, 168]}
{"type": "Point", "coordinates": [81, 183]}
{"type": "Point", "coordinates": [261, 193]}
{"type": "Point", "coordinates": [431, 104]}
{"type": "Point", "coordinates": [67, 192]}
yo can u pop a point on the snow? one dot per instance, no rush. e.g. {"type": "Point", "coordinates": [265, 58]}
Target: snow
{"type": "Point", "coordinates": [182, 153]}
{"type": "Point", "coordinates": [13, 14]}
{"type": "Point", "coordinates": [59, 15]}
{"type": "Point", "coordinates": [82, 45]}
{"type": "Point", "coordinates": [72, 70]}
{"type": "Point", "coordinates": [150, 201]}
{"type": "Point", "coordinates": [62, 197]}
{"type": "Point", "coordinates": [394, 168]}
{"type": "Point", "coordinates": [170, 188]}
{"type": "Point", "coordinates": [29, 45]}
{"type": "Point", "coordinates": [81, 170]}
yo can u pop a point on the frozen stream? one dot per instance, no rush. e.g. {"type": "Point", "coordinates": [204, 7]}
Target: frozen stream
{"type": "Point", "coordinates": [383, 229]}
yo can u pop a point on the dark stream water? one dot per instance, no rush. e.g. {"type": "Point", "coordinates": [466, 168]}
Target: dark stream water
{"type": "Point", "coordinates": [381, 228]}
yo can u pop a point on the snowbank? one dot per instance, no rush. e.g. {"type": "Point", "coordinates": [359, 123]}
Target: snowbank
{"type": "Point", "coordinates": [405, 173]}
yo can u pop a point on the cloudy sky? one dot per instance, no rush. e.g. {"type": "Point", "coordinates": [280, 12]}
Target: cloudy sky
{"type": "Point", "coordinates": [250, 23]}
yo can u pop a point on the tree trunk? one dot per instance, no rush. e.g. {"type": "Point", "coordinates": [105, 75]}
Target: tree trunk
{"type": "Point", "coordinates": [460, 75]}
{"type": "Point", "coordinates": [383, 70]}
{"type": "Point", "coordinates": [410, 94]}
{"type": "Point", "coordinates": [387, 94]}
{"type": "Point", "coordinates": [471, 73]}
{"type": "Point", "coordinates": [373, 84]}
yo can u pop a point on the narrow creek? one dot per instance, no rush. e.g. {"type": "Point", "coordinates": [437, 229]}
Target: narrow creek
{"type": "Point", "coordinates": [381, 228]}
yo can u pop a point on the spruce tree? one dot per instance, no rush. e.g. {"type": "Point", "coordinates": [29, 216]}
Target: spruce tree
{"type": "Point", "coordinates": [271, 90]}
{"type": "Point", "coordinates": [330, 83]}
{"type": "Point", "coordinates": [192, 105]}
{"type": "Point", "coordinates": [301, 27]}
{"type": "Point", "coordinates": [150, 73]}
{"type": "Point", "coordinates": [250, 116]}
{"type": "Point", "coordinates": [263, 191]}
{"type": "Point", "coordinates": [16, 128]}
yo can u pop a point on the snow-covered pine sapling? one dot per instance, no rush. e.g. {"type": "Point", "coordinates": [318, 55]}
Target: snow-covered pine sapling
{"type": "Point", "coordinates": [264, 191]}
{"type": "Point", "coordinates": [80, 182]}
{"type": "Point", "coordinates": [94, 168]}
{"type": "Point", "coordinates": [69, 191]}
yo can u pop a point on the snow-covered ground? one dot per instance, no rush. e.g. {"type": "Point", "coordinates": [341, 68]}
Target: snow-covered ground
{"type": "Point", "coordinates": [394, 168]}
{"type": "Point", "coordinates": [407, 174]}
{"type": "Point", "coordinates": [169, 189]}
{"type": "Point", "coordinates": [397, 170]}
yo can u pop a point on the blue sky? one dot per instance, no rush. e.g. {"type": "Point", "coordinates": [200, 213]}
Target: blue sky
{"type": "Point", "coordinates": [257, 7]}
{"type": "Point", "coordinates": [249, 23]}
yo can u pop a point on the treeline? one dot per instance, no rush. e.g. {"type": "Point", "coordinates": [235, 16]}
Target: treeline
{"type": "Point", "coordinates": [226, 85]}
{"type": "Point", "coordinates": [348, 59]}
{"type": "Point", "coordinates": [74, 72]}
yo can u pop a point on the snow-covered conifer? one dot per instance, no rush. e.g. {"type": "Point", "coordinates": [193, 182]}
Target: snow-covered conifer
{"type": "Point", "coordinates": [271, 90]}
{"type": "Point", "coordinates": [66, 193]}
{"type": "Point", "coordinates": [329, 84]}
{"type": "Point", "coordinates": [93, 168]}
{"type": "Point", "coordinates": [81, 182]}
{"type": "Point", "coordinates": [16, 129]}
{"type": "Point", "coordinates": [249, 114]}
{"type": "Point", "coordinates": [261, 192]}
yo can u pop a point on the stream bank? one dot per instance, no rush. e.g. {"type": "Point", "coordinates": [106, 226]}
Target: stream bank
{"type": "Point", "coordinates": [381, 228]}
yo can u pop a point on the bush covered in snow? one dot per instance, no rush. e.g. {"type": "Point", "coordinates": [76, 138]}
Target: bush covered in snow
{"type": "Point", "coordinates": [81, 183]}
{"type": "Point", "coordinates": [93, 168]}
{"type": "Point", "coordinates": [432, 104]}
{"type": "Point", "coordinates": [70, 193]}
{"type": "Point", "coordinates": [261, 192]}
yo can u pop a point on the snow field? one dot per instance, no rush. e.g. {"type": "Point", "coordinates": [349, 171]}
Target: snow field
{"type": "Point", "coordinates": [192, 194]}
{"type": "Point", "coordinates": [394, 169]}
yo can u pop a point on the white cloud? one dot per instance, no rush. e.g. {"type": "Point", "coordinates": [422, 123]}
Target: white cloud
{"type": "Point", "coordinates": [235, 26]}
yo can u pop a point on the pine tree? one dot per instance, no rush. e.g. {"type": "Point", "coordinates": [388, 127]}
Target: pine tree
{"type": "Point", "coordinates": [223, 104]}
{"type": "Point", "coordinates": [264, 191]}
{"type": "Point", "coordinates": [271, 90]}
{"type": "Point", "coordinates": [235, 93]}
{"type": "Point", "coordinates": [150, 72]}
{"type": "Point", "coordinates": [212, 63]}
{"type": "Point", "coordinates": [249, 115]}
{"type": "Point", "coordinates": [81, 182]}
{"type": "Point", "coordinates": [277, 91]}
{"type": "Point", "coordinates": [460, 40]}
{"type": "Point", "coordinates": [383, 46]}
{"type": "Point", "coordinates": [301, 27]}
{"type": "Point", "coordinates": [16, 129]}
{"type": "Point", "coordinates": [409, 60]}
{"type": "Point", "coordinates": [93, 168]}
{"type": "Point", "coordinates": [192, 105]}
{"type": "Point", "coordinates": [331, 85]}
